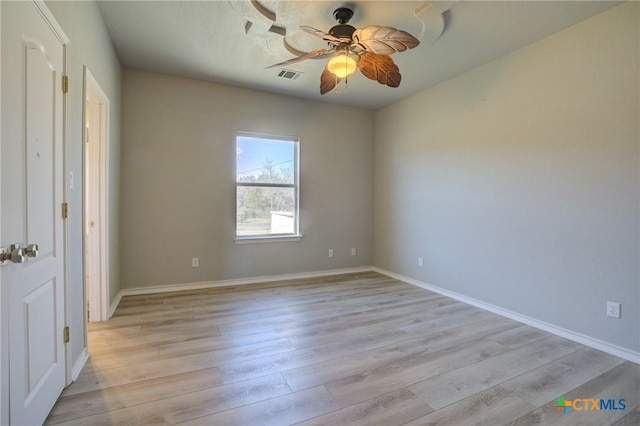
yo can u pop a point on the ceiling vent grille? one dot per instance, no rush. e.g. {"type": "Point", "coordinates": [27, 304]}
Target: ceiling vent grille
{"type": "Point", "coordinates": [288, 74]}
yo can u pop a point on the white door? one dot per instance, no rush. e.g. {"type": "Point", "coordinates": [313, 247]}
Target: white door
{"type": "Point", "coordinates": [96, 255]}
{"type": "Point", "coordinates": [92, 212]}
{"type": "Point", "coordinates": [32, 195]}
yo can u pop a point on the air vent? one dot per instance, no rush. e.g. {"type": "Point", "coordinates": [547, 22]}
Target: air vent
{"type": "Point", "coordinates": [288, 74]}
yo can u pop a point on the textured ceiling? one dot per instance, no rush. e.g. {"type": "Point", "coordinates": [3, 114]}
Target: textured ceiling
{"type": "Point", "coordinates": [232, 42]}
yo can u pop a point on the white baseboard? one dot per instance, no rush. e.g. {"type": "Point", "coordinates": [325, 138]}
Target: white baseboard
{"type": "Point", "coordinates": [233, 282]}
{"type": "Point", "coordinates": [79, 364]}
{"type": "Point", "coordinates": [115, 303]}
{"type": "Point", "coordinates": [553, 329]}
{"type": "Point", "coordinates": [592, 342]}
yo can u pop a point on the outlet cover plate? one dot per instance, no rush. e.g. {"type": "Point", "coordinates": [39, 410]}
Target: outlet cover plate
{"type": "Point", "coordinates": [613, 309]}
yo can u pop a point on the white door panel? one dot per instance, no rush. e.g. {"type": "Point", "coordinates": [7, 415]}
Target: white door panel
{"type": "Point", "coordinates": [32, 195]}
{"type": "Point", "coordinates": [40, 326]}
{"type": "Point", "coordinates": [40, 139]}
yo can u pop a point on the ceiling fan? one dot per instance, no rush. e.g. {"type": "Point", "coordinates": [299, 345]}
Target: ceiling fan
{"type": "Point", "coordinates": [367, 49]}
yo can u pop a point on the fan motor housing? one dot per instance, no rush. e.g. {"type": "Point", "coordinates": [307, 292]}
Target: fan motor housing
{"type": "Point", "coordinates": [342, 31]}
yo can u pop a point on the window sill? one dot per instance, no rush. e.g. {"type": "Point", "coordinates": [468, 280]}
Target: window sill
{"type": "Point", "coordinates": [267, 239]}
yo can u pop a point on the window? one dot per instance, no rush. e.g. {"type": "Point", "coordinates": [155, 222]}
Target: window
{"type": "Point", "coordinates": [266, 188]}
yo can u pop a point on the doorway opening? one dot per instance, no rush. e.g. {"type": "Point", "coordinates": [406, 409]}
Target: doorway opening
{"type": "Point", "coordinates": [96, 254]}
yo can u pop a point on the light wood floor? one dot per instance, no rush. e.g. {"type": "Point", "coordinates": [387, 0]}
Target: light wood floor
{"type": "Point", "coordinates": [350, 349]}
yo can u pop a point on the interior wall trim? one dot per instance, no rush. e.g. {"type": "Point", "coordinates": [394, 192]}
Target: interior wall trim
{"type": "Point", "coordinates": [233, 282]}
{"type": "Point", "coordinates": [51, 21]}
{"type": "Point", "coordinates": [79, 364]}
{"type": "Point", "coordinates": [592, 342]}
{"type": "Point", "coordinates": [115, 303]}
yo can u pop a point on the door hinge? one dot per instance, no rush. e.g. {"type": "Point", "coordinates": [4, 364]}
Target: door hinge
{"type": "Point", "coordinates": [65, 84]}
{"type": "Point", "coordinates": [65, 210]}
{"type": "Point", "coordinates": [65, 334]}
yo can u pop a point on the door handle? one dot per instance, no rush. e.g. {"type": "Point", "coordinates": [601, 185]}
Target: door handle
{"type": "Point", "coordinates": [32, 250]}
{"type": "Point", "coordinates": [14, 253]}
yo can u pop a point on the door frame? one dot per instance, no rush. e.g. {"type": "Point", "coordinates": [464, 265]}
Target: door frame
{"type": "Point", "coordinates": [4, 332]}
{"type": "Point", "coordinates": [99, 291]}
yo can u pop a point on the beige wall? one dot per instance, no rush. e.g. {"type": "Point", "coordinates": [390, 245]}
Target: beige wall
{"type": "Point", "coordinates": [90, 45]}
{"type": "Point", "coordinates": [178, 193]}
{"type": "Point", "coordinates": [518, 182]}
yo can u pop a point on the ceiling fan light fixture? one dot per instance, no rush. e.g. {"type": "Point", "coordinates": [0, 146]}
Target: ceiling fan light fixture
{"type": "Point", "coordinates": [342, 64]}
{"type": "Point", "coordinates": [366, 49]}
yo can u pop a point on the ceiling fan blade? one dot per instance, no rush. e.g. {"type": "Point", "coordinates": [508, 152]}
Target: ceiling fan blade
{"type": "Point", "coordinates": [380, 68]}
{"type": "Point", "coordinates": [328, 81]}
{"type": "Point", "coordinates": [312, 54]}
{"type": "Point", "coordinates": [384, 40]}
{"type": "Point", "coordinates": [321, 34]}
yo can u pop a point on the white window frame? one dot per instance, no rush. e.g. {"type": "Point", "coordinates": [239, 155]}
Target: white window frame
{"type": "Point", "coordinates": [266, 238]}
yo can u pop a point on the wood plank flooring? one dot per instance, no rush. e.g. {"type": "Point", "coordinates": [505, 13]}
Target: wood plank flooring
{"type": "Point", "coordinates": [355, 349]}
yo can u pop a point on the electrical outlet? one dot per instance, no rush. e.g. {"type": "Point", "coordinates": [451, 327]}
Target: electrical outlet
{"type": "Point", "coordinates": [195, 262]}
{"type": "Point", "coordinates": [330, 252]}
{"type": "Point", "coordinates": [613, 309]}
{"type": "Point", "coordinates": [420, 262]}
{"type": "Point", "coordinates": [353, 252]}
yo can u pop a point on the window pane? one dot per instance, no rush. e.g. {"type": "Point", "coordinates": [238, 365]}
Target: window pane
{"type": "Point", "coordinates": [264, 160]}
{"type": "Point", "coordinates": [267, 185]}
{"type": "Point", "coordinates": [265, 211]}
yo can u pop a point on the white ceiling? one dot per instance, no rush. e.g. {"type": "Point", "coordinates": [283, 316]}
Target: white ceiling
{"type": "Point", "coordinates": [208, 40]}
